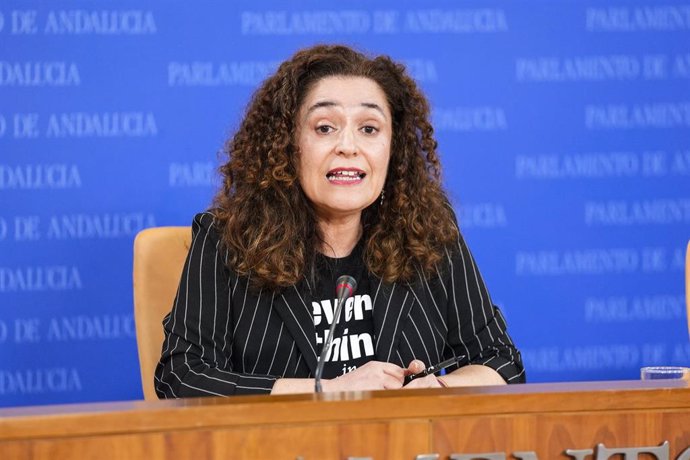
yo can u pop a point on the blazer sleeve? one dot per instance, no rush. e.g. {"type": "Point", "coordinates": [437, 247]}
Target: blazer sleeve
{"type": "Point", "coordinates": [196, 356]}
{"type": "Point", "coordinates": [476, 327]}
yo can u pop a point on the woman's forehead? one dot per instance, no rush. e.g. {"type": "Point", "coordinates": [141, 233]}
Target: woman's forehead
{"type": "Point", "coordinates": [346, 91]}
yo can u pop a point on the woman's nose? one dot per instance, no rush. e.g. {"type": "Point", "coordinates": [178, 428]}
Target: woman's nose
{"type": "Point", "coordinates": [346, 143]}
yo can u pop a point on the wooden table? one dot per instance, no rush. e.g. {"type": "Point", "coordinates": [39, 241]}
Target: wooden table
{"type": "Point", "coordinates": [539, 420]}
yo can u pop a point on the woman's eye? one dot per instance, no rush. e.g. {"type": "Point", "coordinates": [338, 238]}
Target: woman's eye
{"type": "Point", "coordinates": [324, 129]}
{"type": "Point", "coordinates": [369, 130]}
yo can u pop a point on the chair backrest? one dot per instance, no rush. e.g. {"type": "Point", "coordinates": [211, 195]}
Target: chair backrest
{"type": "Point", "coordinates": [159, 256]}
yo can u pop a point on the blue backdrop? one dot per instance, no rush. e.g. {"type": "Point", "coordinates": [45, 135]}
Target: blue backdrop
{"type": "Point", "coordinates": [564, 129]}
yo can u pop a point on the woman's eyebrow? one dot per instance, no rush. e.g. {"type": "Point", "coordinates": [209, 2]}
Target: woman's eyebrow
{"type": "Point", "coordinates": [374, 106]}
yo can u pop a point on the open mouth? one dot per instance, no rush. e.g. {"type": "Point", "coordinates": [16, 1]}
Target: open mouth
{"type": "Point", "coordinates": [345, 175]}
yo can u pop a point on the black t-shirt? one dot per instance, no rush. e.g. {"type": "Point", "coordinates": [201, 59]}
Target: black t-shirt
{"type": "Point", "coordinates": [353, 340]}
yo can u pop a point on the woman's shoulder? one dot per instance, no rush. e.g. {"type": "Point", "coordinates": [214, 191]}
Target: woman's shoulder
{"type": "Point", "coordinates": [207, 226]}
{"type": "Point", "coordinates": [206, 221]}
{"type": "Point", "coordinates": [207, 233]}
{"type": "Point", "coordinates": [453, 257]}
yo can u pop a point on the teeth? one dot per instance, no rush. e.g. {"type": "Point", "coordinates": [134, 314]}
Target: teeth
{"type": "Point", "coordinates": [345, 173]}
{"type": "Point", "coordinates": [343, 177]}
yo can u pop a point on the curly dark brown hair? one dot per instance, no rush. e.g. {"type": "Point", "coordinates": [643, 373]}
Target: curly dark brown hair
{"type": "Point", "coordinates": [268, 224]}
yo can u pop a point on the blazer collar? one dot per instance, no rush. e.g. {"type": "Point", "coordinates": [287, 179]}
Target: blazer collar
{"type": "Point", "coordinates": [392, 303]}
{"type": "Point", "coordinates": [294, 307]}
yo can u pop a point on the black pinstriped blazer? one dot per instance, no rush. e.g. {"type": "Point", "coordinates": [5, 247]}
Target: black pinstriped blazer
{"type": "Point", "coordinates": [221, 338]}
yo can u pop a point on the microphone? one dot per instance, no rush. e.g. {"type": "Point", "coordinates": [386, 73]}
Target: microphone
{"type": "Point", "coordinates": [344, 289]}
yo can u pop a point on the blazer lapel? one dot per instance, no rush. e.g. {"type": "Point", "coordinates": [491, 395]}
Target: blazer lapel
{"type": "Point", "coordinates": [294, 307]}
{"type": "Point", "coordinates": [392, 303]}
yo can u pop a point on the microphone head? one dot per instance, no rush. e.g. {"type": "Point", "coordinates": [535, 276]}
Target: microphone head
{"type": "Point", "coordinates": [345, 286]}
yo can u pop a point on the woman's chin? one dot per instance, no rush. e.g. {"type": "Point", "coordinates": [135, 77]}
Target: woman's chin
{"type": "Point", "coordinates": [341, 210]}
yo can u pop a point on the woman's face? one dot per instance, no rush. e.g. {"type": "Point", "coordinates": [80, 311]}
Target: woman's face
{"type": "Point", "coordinates": [344, 137]}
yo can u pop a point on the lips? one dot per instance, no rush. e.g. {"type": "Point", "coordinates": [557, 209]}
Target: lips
{"type": "Point", "coordinates": [345, 176]}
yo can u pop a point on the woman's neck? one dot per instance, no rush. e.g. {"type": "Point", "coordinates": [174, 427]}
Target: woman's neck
{"type": "Point", "coordinates": [340, 235]}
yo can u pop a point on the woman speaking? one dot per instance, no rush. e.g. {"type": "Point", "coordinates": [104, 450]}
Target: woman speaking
{"type": "Point", "coordinates": [333, 171]}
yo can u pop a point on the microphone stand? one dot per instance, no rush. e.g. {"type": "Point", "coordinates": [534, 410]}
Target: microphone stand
{"type": "Point", "coordinates": [344, 283]}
